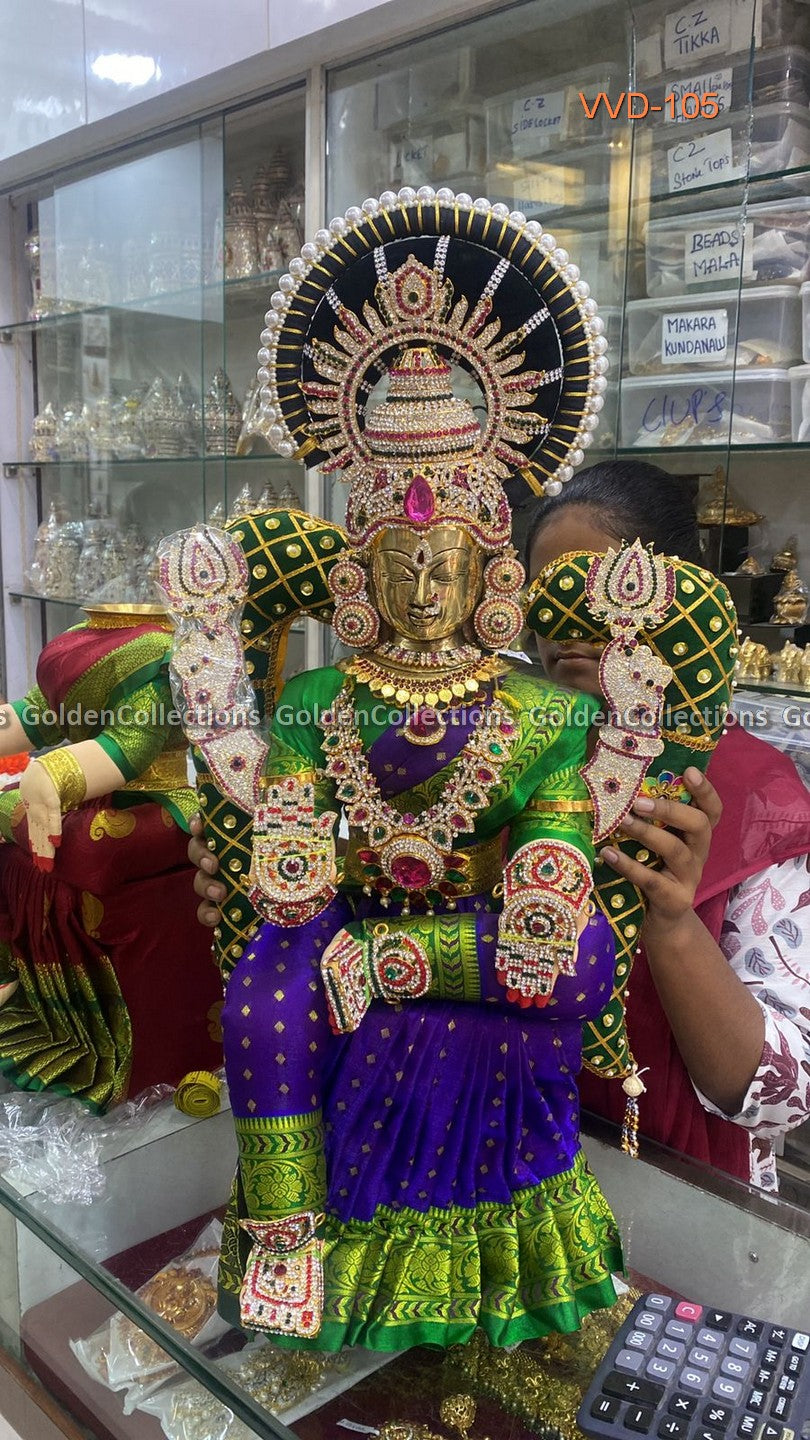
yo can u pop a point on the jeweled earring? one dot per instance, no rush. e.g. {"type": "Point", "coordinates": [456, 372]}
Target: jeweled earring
{"type": "Point", "coordinates": [498, 620]}
{"type": "Point", "coordinates": [355, 621]}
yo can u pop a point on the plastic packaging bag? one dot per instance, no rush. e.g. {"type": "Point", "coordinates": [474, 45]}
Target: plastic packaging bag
{"type": "Point", "coordinates": [184, 1293]}
{"type": "Point", "coordinates": [57, 1148]}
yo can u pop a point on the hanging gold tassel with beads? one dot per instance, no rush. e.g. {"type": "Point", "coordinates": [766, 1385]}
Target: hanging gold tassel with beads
{"type": "Point", "coordinates": [633, 1086]}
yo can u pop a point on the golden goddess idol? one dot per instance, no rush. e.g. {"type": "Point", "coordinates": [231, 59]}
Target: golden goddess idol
{"type": "Point", "coordinates": [404, 1025]}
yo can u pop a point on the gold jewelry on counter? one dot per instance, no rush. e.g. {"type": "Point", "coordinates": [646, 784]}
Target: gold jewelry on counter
{"type": "Point", "coordinates": [541, 1381]}
{"type": "Point", "coordinates": [184, 1298]}
{"type": "Point", "coordinates": [719, 507]}
{"type": "Point", "coordinates": [458, 1411]}
{"type": "Point", "coordinates": [67, 776]}
{"type": "Point", "coordinates": [404, 1430]}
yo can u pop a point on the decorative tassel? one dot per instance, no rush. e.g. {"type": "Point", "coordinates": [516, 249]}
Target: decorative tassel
{"type": "Point", "coordinates": [633, 1086]}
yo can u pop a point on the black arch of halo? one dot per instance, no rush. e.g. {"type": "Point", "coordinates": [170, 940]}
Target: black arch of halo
{"type": "Point", "coordinates": [411, 220]}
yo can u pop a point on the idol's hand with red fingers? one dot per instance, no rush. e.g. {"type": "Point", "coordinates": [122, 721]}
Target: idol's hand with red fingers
{"type": "Point", "coordinates": [43, 812]}
{"type": "Point", "coordinates": [681, 835]}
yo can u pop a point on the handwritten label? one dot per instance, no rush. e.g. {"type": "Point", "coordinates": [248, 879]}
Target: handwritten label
{"type": "Point", "coordinates": [536, 119]}
{"type": "Point", "coordinates": [717, 252]}
{"type": "Point", "coordinates": [702, 160]}
{"type": "Point", "coordinates": [718, 27]}
{"type": "Point", "coordinates": [416, 156]}
{"type": "Point", "coordinates": [690, 337]}
{"type": "Point", "coordinates": [711, 82]}
{"type": "Point", "coordinates": [552, 188]}
{"type": "Point", "coordinates": [683, 410]}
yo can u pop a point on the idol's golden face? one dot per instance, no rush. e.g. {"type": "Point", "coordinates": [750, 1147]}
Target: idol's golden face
{"type": "Point", "coordinates": [426, 584]}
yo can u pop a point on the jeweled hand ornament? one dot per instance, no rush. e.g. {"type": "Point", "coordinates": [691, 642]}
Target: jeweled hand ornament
{"type": "Point", "coordinates": [546, 889]}
{"type": "Point", "coordinates": [293, 871]}
{"type": "Point", "coordinates": [385, 965]}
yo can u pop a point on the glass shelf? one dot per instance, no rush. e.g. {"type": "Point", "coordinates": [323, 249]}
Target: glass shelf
{"type": "Point", "coordinates": [12, 468]}
{"type": "Point", "coordinates": [775, 447]}
{"type": "Point", "coordinates": [185, 304]}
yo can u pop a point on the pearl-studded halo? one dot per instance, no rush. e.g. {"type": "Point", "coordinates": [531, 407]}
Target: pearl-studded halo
{"type": "Point", "coordinates": [536, 315]}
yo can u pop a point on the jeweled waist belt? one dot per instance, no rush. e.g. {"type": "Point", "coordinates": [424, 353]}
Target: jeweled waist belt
{"type": "Point", "coordinates": [482, 865]}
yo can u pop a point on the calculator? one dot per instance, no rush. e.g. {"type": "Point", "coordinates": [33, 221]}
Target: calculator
{"type": "Point", "coordinates": [677, 1370]}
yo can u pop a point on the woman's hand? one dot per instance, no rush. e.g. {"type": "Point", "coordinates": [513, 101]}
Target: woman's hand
{"type": "Point", "coordinates": [683, 847]}
{"type": "Point", "coordinates": [43, 812]}
{"type": "Point", "coordinates": [211, 893]}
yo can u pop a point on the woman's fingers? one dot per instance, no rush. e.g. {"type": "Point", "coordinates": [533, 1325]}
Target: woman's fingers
{"type": "Point", "coordinates": [201, 856]}
{"type": "Point", "coordinates": [704, 795]}
{"type": "Point", "coordinates": [208, 915]}
{"type": "Point", "coordinates": [651, 883]}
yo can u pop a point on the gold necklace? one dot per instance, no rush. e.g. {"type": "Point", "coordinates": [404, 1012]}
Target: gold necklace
{"type": "Point", "coordinates": [412, 855]}
{"type": "Point", "coordinates": [431, 681]}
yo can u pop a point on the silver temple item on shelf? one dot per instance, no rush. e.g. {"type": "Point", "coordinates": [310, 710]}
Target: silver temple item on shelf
{"type": "Point", "coordinates": [243, 504]}
{"type": "Point", "coordinates": [90, 571]}
{"type": "Point", "coordinates": [189, 406]}
{"type": "Point", "coordinates": [269, 499]}
{"type": "Point", "coordinates": [223, 417]}
{"type": "Point", "coordinates": [43, 442]}
{"type": "Point", "coordinates": [241, 248]}
{"type": "Point", "coordinates": [163, 422]}
{"type": "Point", "coordinates": [42, 303]}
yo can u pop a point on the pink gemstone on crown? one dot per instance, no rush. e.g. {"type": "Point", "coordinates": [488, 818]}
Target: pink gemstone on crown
{"type": "Point", "coordinates": [419, 502]}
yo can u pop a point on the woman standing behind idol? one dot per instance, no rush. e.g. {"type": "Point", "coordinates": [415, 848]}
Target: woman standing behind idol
{"type": "Point", "coordinates": [719, 1000]}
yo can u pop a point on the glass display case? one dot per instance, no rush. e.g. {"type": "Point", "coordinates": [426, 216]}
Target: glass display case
{"type": "Point", "coordinates": [109, 1304]}
{"type": "Point", "coordinates": [141, 282]}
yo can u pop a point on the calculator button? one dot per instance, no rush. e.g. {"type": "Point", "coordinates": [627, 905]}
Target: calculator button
{"type": "Point", "coordinates": [764, 1378]}
{"type": "Point", "coordinates": [694, 1380]}
{"type": "Point", "coordinates": [626, 1387]}
{"type": "Point", "coordinates": [745, 1349]}
{"type": "Point", "coordinates": [720, 1416]}
{"type": "Point", "coordinates": [630, 1362]}
{"type": "Point", "coordinates": [710, 1339]}
{"type": "Point", "coordinates": [605, 1407]}
{"type": "Point", "coordinates": [800, 1341]}
{"type": "Point", "coordinates": [787, 1385]}
{"type": "Point", "coordinates": [679, 1330]}
{"type": "Point", "coordinates": [671, 1428]}
{"type": "Point", "coordinates": [726, 1389]}
{"type": "Point", "coordinates": [793, 1364]}
{"type": "Point", "coordinates": [770, 1358]}
{"type": "Point", "coordinates": [778, 1335]}
{"type": "Point", "coordinates": [706, 1433]}
{"type": "Point", "coordinates": [756, 1401]}
{"type": "Point", "coordinates": [705, 1359]}
{"type": "Point", "coordinates": [751, 1329]}
{"type": "Point", "coordinates": [660, 1370]}
{"type": "Point", "coordinates": [657, 1302]}
{"type": "Point", "coordinates": [639, 1417]}
{"type": "Point", "coordinates": [639, 1340]}
{"type": "Point", "coordinates": [736, 1369]}
{"type": "Point", "coordinates": [685, 1310]}
{"type": "Point", "coordinates": [682, 1405]}
{"type": "Point", "coordinates": [769, 1431]}
{"type": "Point", "coordinates": [670, 1349]}
{"type": "Point", "coordinates": [748, 1426]}
{"type": "Point", "coordinates": [649, 1320]}
{"type": "Point", "coordinates": [781, 1407]}
{"type": "Point", "coordinates": [718, 1319]}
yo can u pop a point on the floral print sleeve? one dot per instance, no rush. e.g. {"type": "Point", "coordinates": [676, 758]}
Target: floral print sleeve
{"type": "Point", "coordinates": [766, 940]}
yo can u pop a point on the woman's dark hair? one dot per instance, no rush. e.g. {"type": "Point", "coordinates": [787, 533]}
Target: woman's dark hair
{"type": "Point", "coordinates": [631, 499]}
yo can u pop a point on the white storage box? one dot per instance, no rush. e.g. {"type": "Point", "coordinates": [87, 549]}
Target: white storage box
{"type": "Point", "coordinates": [800, 403]}
{"type": "Point", "coordinates": [687, 333]}
{"type": "Point", "coordinates": [697, 409]}
{"type": "Point", "coordinates": [698, 38]}
{"type": "Point", "coordinates": [805, 294]}
{"type": "Point", "coordinates": [711, 250]}
{"type": "Point", "coordinates": [702, 153]}
{"type": "Point", "coordinates": [778, 75]}
{"type": "Point", "coordinates": [527, 122]}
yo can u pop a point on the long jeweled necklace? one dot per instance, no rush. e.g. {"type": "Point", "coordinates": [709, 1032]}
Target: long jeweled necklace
{"type": "Point", "coordinates": [424, 677]}
{"type": "Point", "coordinates": [409, 853]}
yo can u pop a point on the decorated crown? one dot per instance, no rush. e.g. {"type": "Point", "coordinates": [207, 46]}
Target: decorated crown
{"type": "Point", "coordinates": [411, 285]}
